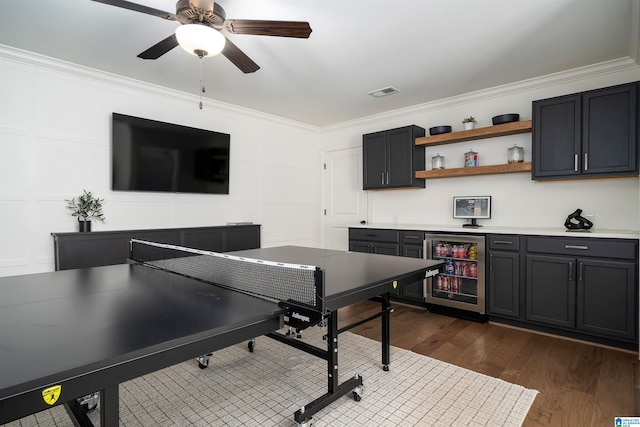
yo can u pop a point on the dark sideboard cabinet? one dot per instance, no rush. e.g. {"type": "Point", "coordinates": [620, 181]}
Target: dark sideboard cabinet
{"type": "Point", "coordinates": [587, 134]}
{"type": "Point", "coordinates": [584, 288]}
{"type": "Point", "coordinates": [391, 158]}
{"type": "Point", "coordinates": [80, 250]}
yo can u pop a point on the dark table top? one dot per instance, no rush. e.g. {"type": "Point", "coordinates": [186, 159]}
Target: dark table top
{"type": "Point", "coordinates": [349, 276]}
{"type": "Point", "coordinates": [53, 325]}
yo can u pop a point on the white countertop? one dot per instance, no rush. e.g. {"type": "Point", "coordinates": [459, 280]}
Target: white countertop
{"type": "Point", "coordinates": [458, 229]}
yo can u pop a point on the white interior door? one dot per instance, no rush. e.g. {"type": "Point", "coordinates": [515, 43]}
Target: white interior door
{"type": "Point", "coordinates": [344, 200]}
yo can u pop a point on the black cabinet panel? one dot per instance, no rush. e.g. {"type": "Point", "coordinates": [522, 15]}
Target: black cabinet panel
{"type": "Point", "coordinates": [79, 250]}
{"type": "Point", "coordinates": [557, 136]}
{"type": "Point", "coordinates": [374, 156]}
{"type": "Point", "coordinates": [602, 248]}
{"type": "Point", "coordinates": [609, 130]}
{"type": "Point", "coordinates": [606, 298]}
{"type": "Point", "coordinates": [587, 134]}
{"type": "Point", "coordinates": [551, 290]}
{"type": "Point", "coordinates": [391, 158]}
{"type": "Point", "coordinates": [504, 284]}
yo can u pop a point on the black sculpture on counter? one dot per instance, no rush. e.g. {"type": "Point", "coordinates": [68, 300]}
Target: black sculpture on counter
{"type": "Point", "coordinates": [576, 222]}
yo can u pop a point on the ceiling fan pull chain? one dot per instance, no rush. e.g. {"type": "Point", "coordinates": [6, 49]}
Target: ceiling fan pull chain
{"type": "Point", "coordinates": [202, 89]}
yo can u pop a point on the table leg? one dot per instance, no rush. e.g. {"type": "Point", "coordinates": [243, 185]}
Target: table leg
{"type": "Point", "coordinates": [386, 331]}
{"type": "Point", "coordinates": [109, 410]}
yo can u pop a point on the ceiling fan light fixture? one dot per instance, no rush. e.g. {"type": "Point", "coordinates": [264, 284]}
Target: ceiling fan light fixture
{"type": "Point", "coordinates": [200, 40]}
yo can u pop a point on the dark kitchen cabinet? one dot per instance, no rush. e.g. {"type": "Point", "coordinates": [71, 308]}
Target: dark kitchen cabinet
{"type": "Point", "coordinates": [551, 290]}
{"type": "Point", "coordinates": [587, 134]}
{"type": "Point", "coordinates": [585, 285]}
{"type": "Point", "coordinates": [503, 281]}
{"type": "Point", "coordinates": [374, 241]}
{"type": "Point", "coordinates": [391, 158]}
{"type": "Point", "coordinates": [392, 242]}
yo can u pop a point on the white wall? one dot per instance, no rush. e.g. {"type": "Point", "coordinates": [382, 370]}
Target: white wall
{"type": "Point", "coordinates": [55, 121]}
{"type": "Point", "coordinates": [517, 200]}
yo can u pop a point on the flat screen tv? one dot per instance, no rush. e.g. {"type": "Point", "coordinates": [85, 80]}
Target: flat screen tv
{"type": "Point", "coordinates": [473, 208]}
{"type": "Point", "coordinates": [148, 155]}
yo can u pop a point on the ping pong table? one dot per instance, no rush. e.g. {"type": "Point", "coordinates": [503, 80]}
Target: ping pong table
{"type": "Point", "coordinates": [68, 334]}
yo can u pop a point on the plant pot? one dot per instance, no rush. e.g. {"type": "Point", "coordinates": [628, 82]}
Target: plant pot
{"type": "Point", "coordinates": [469, 125]}
{"type": "Point", "coordinates": [84, 226]}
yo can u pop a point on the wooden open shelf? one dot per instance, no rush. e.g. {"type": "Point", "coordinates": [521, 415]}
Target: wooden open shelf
{"type": "Point", "coordinates": [478, 170]}
{"type": "Point", "coordinates": [512, 128]}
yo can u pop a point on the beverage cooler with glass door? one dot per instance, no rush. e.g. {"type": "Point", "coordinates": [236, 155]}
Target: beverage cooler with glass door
{"type": "Point", "coordinates": [460, 283]}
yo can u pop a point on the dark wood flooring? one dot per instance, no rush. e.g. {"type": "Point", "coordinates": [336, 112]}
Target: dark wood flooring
{"type": "Point", "coordinates": [580, 384]}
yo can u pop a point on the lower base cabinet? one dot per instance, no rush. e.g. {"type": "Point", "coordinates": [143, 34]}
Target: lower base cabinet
{"type": "Point", "coordinates": [392, 242]}
{"type": "Point", "coordinates": [503, 276]}
{"type": "Point", "coordinates": [584, 288]}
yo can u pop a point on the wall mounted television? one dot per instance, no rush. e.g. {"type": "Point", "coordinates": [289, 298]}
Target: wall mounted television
{"type": "Point", "coordinates": [148, 155]}
{"type": "Point", "coordinates": [473, 208]}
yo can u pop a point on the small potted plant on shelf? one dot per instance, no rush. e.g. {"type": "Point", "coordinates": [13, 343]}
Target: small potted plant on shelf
{"type": "Point", "coordinates": [86, 207]}
{"type": "Point", "coordinates": [469, 123]}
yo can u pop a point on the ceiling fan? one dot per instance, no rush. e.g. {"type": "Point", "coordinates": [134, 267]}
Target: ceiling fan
{"type": "Point", "coordinates": [204, 15]}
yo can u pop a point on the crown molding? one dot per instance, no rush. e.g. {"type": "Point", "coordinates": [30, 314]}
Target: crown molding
{"type": "Point", "coordinates": [57, 65]}
{"type": "Point", "coordinates": [560, 78]}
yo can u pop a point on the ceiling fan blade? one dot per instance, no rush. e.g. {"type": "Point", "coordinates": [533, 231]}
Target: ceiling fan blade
{"type": "Point", "coordinates": [239, 58]}
{"type": "Point", "coordinates": [268, 28]}
{"type": "Point", "coordinates": [160, 48]}
{"type": "Point", "coordinates": [144, 9]}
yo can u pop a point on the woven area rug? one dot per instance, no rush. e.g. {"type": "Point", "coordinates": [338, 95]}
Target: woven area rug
{"type": "Point", "coordinates": [266, 387]}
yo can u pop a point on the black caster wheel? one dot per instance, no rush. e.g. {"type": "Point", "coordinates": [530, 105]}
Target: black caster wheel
{"type": "Point", "coordinates": [385, 368]}
{"type": "Point", "coordinates": [251, 345]}
{"type": "Point", "coordinates": [89, 407]}
{"type": "Point", "coordinates": [356, 396]}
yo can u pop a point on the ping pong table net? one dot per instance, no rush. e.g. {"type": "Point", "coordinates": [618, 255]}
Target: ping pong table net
{"type": "Point", "coordinates": [282, 282]}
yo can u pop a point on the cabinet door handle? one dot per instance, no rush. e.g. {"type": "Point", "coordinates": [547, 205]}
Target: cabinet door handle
{"type": "Point", "coordinates": [575, 163]}
{"type": "Point", "coordinates": [570, 271]}
{"type": "Point", "coordinates": [582, 248]}
{"type": "Point", "coordinates": [412, 237]}
{"type": "Point", "coordinates": [387, 174]}
{"type": "Point", "coordinates": [371, 235]}
{"type": "Point", "coordinates": [580, 267]}
{"type": "Point", "coordinates": [503, 242]}
{"type": "Point", "coordinates": [586, 161]}
{"type": "Point", "coordinates": [491, 262]}
{"type": "Point", "coordinates": [382, 178]}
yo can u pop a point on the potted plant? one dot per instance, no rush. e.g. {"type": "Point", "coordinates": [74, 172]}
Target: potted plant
{"type": "Point", "coordinates": [86, 207]}
{"type": "Point", "coordinates": [469, 123]}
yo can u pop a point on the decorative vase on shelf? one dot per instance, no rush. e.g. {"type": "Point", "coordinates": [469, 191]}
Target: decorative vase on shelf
{"type": "Point", "coordinates": [469, 123]}
{"type": "Point", "coordinates": [84, 226]}
{"type": "Point", "coordinates": [437, 162]}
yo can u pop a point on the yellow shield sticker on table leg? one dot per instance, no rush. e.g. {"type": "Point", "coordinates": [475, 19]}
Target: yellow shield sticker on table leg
{"type": "Point", "coordinates": [50, 395]}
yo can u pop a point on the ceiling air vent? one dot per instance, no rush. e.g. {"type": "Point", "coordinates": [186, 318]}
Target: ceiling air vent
{"type": "Point", "coordinates": [384, 92]}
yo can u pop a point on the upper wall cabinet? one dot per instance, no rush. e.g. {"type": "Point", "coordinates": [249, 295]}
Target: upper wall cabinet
{"type": "Point", "coordinates": [589, 134]}
{"type": "Point", "coordinates": [391, 158]}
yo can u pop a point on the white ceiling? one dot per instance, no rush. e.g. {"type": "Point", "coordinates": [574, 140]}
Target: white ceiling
{"type": "Point", "coordinates": [427, 49]}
